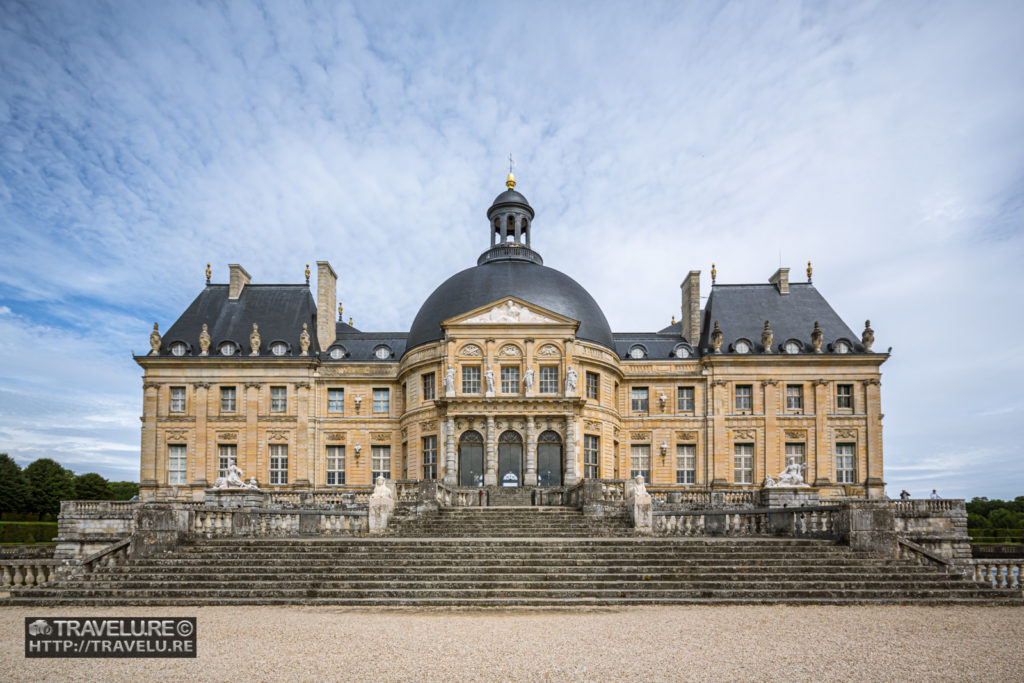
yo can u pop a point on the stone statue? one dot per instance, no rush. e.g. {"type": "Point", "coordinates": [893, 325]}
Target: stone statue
{"type": "Point", "coordinates": [716, 339]}
{"type": "Point", "coordinates": [252, 482]}
{"type": "Point", "coordinates": [867, 338]}
{"type": "Point", "coordinates": [792, 475]}
{"type": "Point", "coordinates": [254, 340]}
{"type": "Point", "coordinates": [768, 482]}
{"type": "Point", "coordinates": [381, 489]}
{"type": "Point", "coordinates": [154, 340]}
{"type": "Point", "coordinates": [382, 502]}
{"type": "Point", "coordinates": [766, 337]}
{"type": "Point", "coordinates": [449, 381]}
{"type": "Point", "coordinates": [570, 381]}
{"type": "Point", "coordinates": [528, 379]}
{"type": "Point", "coordinates": [304, 340]}
{"type": "Point", "coordinates": [233, 480]}
{"type": "Point", "coordinates": [204, 341]}
{"type": "Point", "coordinates": [489, 376]}
{"type": "Point", "coordinates": [817, 336]}
{"type": "Point", "coordinates": [639, 488]}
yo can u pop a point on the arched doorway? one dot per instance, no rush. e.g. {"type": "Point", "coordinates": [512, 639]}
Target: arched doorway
{"type": "Point", "coordinates": [510, 459]}
{"type": "Point", "coordinates": [549, 459]}
{"type": "Point", "coordinates": [471, 459]}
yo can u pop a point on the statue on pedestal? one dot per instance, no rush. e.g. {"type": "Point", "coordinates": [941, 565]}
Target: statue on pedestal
{"type": "Point", "coordinates": [571, 378]}
{"type": "Point", "coordinates": [489, 376]}
{"type": "Point", "coordinates": [234, 480]}
{"type": "Point", "coordinates": [528, 380]}
{"type": "Point", "coordinates": [449, 381]}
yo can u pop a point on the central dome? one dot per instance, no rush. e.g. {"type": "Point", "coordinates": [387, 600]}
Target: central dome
{"type": "Point", "coordinates": [496, 279]}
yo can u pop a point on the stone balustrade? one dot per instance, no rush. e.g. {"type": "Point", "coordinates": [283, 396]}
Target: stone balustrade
{"type": "Point", "coordinates": [212, 522]}
{"type": "Point", "coordinates": [924, 506]}
{"type": "Point", "coordinates": [27, 572]}
{"type": "Point", "coordinates": [806, 522]}
{"type": "Point", "coordinates": [1006, 574]}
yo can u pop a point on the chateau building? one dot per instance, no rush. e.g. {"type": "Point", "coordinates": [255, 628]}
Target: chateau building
{"type": "Point", "coordinates": [510, 376]}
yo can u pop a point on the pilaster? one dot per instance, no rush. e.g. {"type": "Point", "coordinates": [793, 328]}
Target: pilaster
{"type": "Point", "coordinates": [571, 475]}
{"type": "Point", "coordinates": [303, 453]}
{"type": "Point", "coordinates": [772, 463]}
{"type": "Point", "coordinates": [720, 470]}
{"type": "Point", "coordinates": [822, 450]}
{"type": "Point", "coordinates": [491, 467]}
{"type": "Point", "coordinates": [198, 464]}
{"type": "Point", "coordinates": [149, 435]}
{"type": "Point", "coordinates": [449, 445]}
{"type": "Point", "coordinates": [530, 478]}
{"type": "Point", "coordinates": [249, 461]}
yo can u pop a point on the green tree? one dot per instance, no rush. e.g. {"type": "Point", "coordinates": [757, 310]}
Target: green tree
{"type": "Point", "coordinates": [14, 495]}
{"type": "Point", "coordinates": [123, 490]}
{"type": "Point", "coordinates": [48, 485]}
{"type": "Point", "coordinates": [91, 486]}
{"type": "Point", "coordinates": [976, 521]}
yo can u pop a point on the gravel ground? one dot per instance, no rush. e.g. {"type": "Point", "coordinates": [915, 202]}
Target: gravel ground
{"type": "Point", "coordinates": [635, 644]}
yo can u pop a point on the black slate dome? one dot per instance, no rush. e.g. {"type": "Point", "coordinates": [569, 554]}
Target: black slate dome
{"type": "Point", "coordinates": [495, 279]}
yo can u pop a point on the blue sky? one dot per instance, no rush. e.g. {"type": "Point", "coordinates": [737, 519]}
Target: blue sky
{"type": "Point", "coordinates": [884, 141]}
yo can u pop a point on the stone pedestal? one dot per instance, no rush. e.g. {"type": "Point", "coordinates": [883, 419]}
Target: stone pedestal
{"type": "Point", "coordinates": [234, 498]}
{"type": "Point", "coordinates": [789, 496]}
{"type": "Point", "coordinates": [868, 525]}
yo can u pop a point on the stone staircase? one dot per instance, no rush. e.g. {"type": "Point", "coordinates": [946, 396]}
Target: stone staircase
{"type": "Point", "coordinates": [488, 557]}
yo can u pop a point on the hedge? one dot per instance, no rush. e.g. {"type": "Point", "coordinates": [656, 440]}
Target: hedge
{"type": "Point", "coordinates": [27, 532]}
{"type": "Point", "coordinates": [991, 535]}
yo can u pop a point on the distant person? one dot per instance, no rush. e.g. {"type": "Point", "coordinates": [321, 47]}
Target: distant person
{"type": "Point", "coordinates": [904, 495]}
{"type": "Point", "coordinates": [935, 495]}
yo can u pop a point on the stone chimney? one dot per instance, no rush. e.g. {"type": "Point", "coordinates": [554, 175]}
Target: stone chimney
{"type": "Point", "coordinates": [239, 279]}
{"type": "Point", "coordinates": [690, 328]}
{"type": "Point", "coordinates": [781, 280]}
{"type": "Point", "coordinates": [326, 303]}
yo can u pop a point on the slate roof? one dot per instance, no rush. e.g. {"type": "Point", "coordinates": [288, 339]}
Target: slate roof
{"type": "Point", "coordinates": [360, 346]}
{"type": "Point", "coordinates": [279, 310]}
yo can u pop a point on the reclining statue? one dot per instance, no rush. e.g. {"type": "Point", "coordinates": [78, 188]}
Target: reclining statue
{"type": "Point", "coordinates": [234, 480]}
{"type": "Point", "coordinates": [791, 476]}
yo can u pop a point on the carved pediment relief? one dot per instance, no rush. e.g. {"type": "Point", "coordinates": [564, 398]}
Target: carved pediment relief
{"type": "Point", "coordinates": [177, 434]}
{"type": "Point", "coordinates": [335, 436]}
{"type": "Point", "coordinates": [744, 433]}
{"type": "Point", "coordinates": [381, 437]}
{"type": "Point", "coordinates": [548, 351]}
{"type": "Point", "coordinates": [510, 351]}
{"type": "Point", "coordinates": [686, 436]}
{"type": "Point", "coordinates": [277, 435]}
{"type": "Point", "coordinates": [846, 433]}
{"type": "Point", "coordinates": [510, 311]}
{"type": "Point", "coordinates": [640, 436]}
{"type": "Point", "coordinates": [471, 350]}
{"type": "Point", "coordinates": [227, 436]}
{"type": "Point", "coordinates": [796, 434]}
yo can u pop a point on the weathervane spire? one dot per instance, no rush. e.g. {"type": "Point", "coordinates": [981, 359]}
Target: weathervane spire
{"type": "Point", "coordinates": [510, 182]}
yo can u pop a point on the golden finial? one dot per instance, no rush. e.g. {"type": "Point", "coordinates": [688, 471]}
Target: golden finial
{"type": "Point", "coordinates": [208, 272]}
{"type": "Point", "coordinates": [350, 322]}
{"type": "Point", "coordinates": [340, 318]}
{"type": "Point", "coordinates": [714, 273]}
{"type": "Point", "coordinates": [510, 182]}
{"type": "Point", "coordinates": [307, 273]}
{"type": "Point", "coordinates": [809, 271]}
{"type": "Point", "coordinates": [673, 320]}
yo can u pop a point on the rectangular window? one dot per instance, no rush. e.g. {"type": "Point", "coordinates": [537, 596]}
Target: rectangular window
{"type": "Point", "coordinates": [594, 386]}
{"type": "Point", "coordinates": [227, 400]}
{"type": "Point", "coordinates": [684, 400]}
{"type": "Point", "coordinates": [278, 399]}
{"type": "Point", "coordinates": [845, 471]}
{"type": "Point", "coordinates": [640, 461]}
{"type": "Point", "coordinates": [471, 379]}
{"type": "Point", "coordinates": [549, 379]}
{"type": "Point", "coordinates": [177, 399]}
{"type": "Point", "coordinates": [380, 461]}
{"type": "Point", "coordinates": [429, 445]}
{"type": "Point", "coordinates": [176, 465]}
{"type": "Point", "coordinates": [844, 396]}
{"type": "Point", "coordinates": [794, 397]}
{"type": "Point", "coordinates": [335, 465]}
{"type": "Point", "coordinates": [744, 397]}
{"type": "Point", "coordinates": [382, 400]}
{"type": "Point", "coordinates": [743, 463]}
{"type": "Point", "coordinates": [428, 386]}
{"type": "Point", "coordinates": [227, 454]}
{"type": "Point", "coordinates": [640, 399]}
{"type": "Point", "coordinates": [278, 463]}
{"type": "Point", "coordinates": [591, 452]}
{"type": "Point", "coordinates": [795, 454]}
{"type": "Point", "coordinates": [686, 463]}
{"type": "Point", "coordinates": [335, 400]}
{"type": "Point", "coordinates": [510, 379]}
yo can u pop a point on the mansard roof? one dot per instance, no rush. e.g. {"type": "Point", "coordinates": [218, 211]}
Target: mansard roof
{"type": "Point", "coordinates": [362, 346]}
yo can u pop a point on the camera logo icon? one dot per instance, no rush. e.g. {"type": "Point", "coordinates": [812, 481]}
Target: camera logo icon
{"type": "Point", "coordinates": [39, 627]}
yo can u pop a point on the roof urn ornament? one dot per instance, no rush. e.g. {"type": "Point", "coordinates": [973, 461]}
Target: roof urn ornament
{"type": "Point", "coordinates": [208, 272]}
{"type": "Point", "coordinates": [810, 271]}
{"type": "Point", "coordinates": [766, 337]}
{"type": "Point", "coordinates": [304, 340]}
{"type": "Point", "coordinates": [817, 336]}
{"type": "Point", "coordinates": [307, 273]}
{"type": "Point", "coordinates": [867, 338]}
{"type": "Point", "coordinates": [254, 340]}
{"type": "Point", "coordinates": [716, 339]}
{"type": "Point", "coordinates": [714, 273]}
{"type": "Point", "coordinates": [340, 309]}
{"type": "Point", "coordinates": [204, 341]}
{"type": "Point", "coordinates": [154, 340]}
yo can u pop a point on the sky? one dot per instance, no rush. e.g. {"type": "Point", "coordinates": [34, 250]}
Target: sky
{"type": "Point", "coordinates": [884, 141]}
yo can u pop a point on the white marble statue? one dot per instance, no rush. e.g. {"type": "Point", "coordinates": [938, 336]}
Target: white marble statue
{"type": "Point", "coordinates": [382, 490]}
{"type": "Point", "coordinates": [234, 480]}
{"type": "Point", "coordinates": [382, 502]}
{"type": "Point", "coordinates": [639, 488]}
{"type": "Point", "coordinates": [449, 380]}
{"type": "Point", "coordinates": [489, 376]}
{"type": "Point", "coordinates": [528, 379]}
{"type": "Point", "coordinates": [768, 482]}
{"type": "Point", "coordinates": [571, 378]}
{"type": "Point", "coordinates": [792, 475]}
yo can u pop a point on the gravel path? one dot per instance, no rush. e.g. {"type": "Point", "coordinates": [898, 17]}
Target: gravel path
{"type": "Point", "coordinates": [635, 644]}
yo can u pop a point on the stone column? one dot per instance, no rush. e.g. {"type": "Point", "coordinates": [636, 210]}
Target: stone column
{"type": "Point", "coordinates": [527, 364]}
{"type": "Point", "coordinates": [772, 460]}
{"type": "Point", "coordinates": [571, 477]}
{"type": "Point", "coordinates": [491, 467]}
{"type": "Point", "coordinates": [249, 460]}
{"type": "Point", "coordinates": [873, 466]}
{"type": "Point", "coordinates": [720, 452]}
{"type": "Point", "coordinates": [149, 434]}
{"type": "Point", "coordinates": [303, 453]}
{"type": "Point", "coordinates": [530, 478]}
{"type": "Point", "coordinates": [450, 477]}
{"type": "Point", "coordinates": [202, 452]}
{"type": "Point", "coordinates": [822, 449]}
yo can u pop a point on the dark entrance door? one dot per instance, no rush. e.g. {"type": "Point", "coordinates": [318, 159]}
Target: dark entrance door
{"type": "Point", "coordinates": [510, 459]}
{"type": "Point", "coordinates": [471, 459]}
{"type": "Point", "coordinates": [549, 459]}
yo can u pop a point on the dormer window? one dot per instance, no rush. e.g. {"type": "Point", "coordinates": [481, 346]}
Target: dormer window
{"type": "Point", "coordinates": [637, 352]}
{"type": "Point", "coordinates": [681, 351]}
{"type": "Point", "coordinates": [792, 346]}
{"type": "Point", "coordinates": [227, 349]}
{"type": "Point", "coordinates": [279, 348]}
{"type": "Point", "coordinates": [178, 349]}
{"type": "Point", "coordinates": [741, 346]}
{"type": "Point", "coordinates": [382, 352]}
{"type": "Point", "coordinates": [841, 346]}
{"type": "Point", "coordinates": [337, 353]}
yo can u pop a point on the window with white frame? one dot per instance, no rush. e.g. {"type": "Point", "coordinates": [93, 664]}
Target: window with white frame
{"type": "Point", "coordinates": [794, 397]}
{"type": "Point", "coordinates": [278, 463]}
{"type": "Point", "coordinates": [471, 379]}
{"type": "Point", "coordinates": [844, 396]}
{"type": "Point", "coordinates": [176, 464]}
{"type": "Point", "coordinates": [382, 400]}
{"type": "Point", "coordinates": [510, 379]}
{"type": "Point", "coordinates": [846, 473]}
{"type": "Point", "coordinates": [594, 386]}
{"type": "Point", "coordinates": [684, 400]}
{"type": "Point", "coordinates": [177, 399]}
{"type": "Point", "coordinates": [591, 455]}
{"type": "Point", "coordinates": [744, 397]}
{"type": "Point", "coordinates": [428, 386]}
{"type": "Point", "coordinates": [640, 399]}
{"type": "Point", "coordinates": [640, 461]}
{"type": "Point", "coordinates": [429, 446]}
{"type": "Point", "coordinates": [228, 404]}
{"type": "Point", "coordinates": [686, 463]}
{"type": "Point", "coordinates": [278, 399]}
{"type": "Point", "coordinates": [380, 462]}
{"type": "Point", "coordinates": [743, 463]}
{"type": "Point", "coordinates": [335, 465]}
{"type": "Point", "coordinates": [335, 400]}
{"type": "Point", "coordinates": [549, 379]}
{"type": "Point", "coordinates": [227, 455]}
{"type": "Point", "coordinates": [795, 454]}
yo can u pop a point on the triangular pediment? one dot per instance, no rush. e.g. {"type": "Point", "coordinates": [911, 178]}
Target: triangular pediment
{"type": "Point", "coordinates": [510, 311]}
